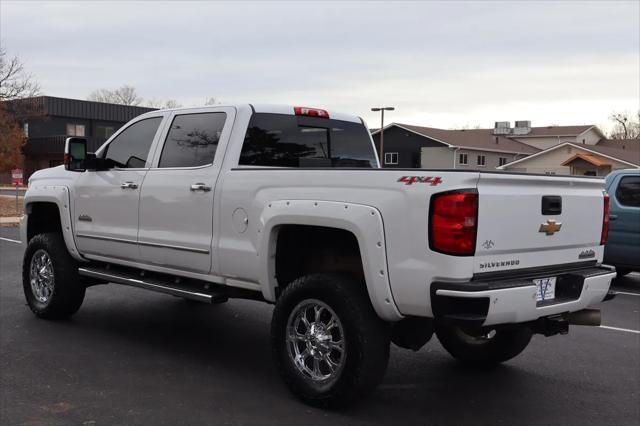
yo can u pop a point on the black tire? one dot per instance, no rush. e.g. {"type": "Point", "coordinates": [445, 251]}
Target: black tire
{"type": "Point", "coordinates": [483, 347]}
{"type": "Point", "coordinates": [66, 291]}
{"type": "Point", "coordinates": [366, 338]}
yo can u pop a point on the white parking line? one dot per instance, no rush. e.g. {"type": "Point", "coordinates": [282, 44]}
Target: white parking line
{"type": "Point", "coordinates": [620, 329]}
{"type": "Point", "coordinates": [10, 240]}
{"type": "Point", "coordinates": [627, 293]}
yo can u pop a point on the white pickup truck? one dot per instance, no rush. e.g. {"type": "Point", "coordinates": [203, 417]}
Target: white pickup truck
{"type": "Point", "coordinates": [288, 205]}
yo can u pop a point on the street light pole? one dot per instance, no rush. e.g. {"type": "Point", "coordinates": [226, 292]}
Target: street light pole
{"type": "Point", "coordinates": [382, 110]}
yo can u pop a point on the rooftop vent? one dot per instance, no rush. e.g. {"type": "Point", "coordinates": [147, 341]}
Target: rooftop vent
{"type": "Point", "coordinates": [502, 128]}
{"type": "Point", "coordinates": [522, 127]}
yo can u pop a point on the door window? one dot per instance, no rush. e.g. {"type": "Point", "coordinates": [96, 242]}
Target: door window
{"type": "Point", "coordinates": [192, 140]}
{"type": "Point", "coordinates": [628, 192]}
{"type": "Point", "coordinates": [131, 147]}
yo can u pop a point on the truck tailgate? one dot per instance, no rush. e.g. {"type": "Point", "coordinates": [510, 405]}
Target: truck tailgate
{"type": "Point", "coordinates": [519, 225]}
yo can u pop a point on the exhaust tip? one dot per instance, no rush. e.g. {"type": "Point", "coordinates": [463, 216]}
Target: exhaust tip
{"type": "Point", "coordinates": [592, 317]}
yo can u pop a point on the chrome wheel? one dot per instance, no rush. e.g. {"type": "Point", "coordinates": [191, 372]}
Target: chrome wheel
{"type": "Point", "coordinates": [315, 340]}
{"type": "Point", "coordinates": [41, 276]}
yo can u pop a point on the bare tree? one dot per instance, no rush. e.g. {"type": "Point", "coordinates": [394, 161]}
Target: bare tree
{"type": "Point", "coordinates": [212, 101]}
{"type": "Point", "coordinates": [12, 139]}
{"type": "Point", "coordinates": [125, 95]}
{"type": "Point", "coordinates": [625, 126]}
{"type": "Point", "coordinates": [160, 104]}
{"type": "Point", "coordinates": [467, 126]}
{"type": "Point", "coordinates": [15, 82]}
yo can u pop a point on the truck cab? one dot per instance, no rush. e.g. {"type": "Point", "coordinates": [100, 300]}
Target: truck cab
{"type": "Point", "coordinates": [623, 246]}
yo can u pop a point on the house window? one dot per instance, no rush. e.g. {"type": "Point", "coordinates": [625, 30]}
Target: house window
{"type": "Point", "coordinates": [104, 131]}
{"type": "Point", "coordinates": [390, 158]}
{"type": "Point", "coordinates": [502, 161]}
{"type": "Point", "coordinates": [75, 129]}
{"type": "Point", "coordinates": [463, 159]}
{"type": "Point", "coordinates": [25, 128]}
{"type": "Point", "coordinates": [481, 160]}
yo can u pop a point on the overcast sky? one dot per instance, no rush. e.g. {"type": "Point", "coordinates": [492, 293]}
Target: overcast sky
{"type": "Point", "coordinates": [441, 64]}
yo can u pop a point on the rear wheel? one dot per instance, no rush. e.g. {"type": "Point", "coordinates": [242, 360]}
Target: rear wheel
{"type": "Point", "coordinates": [50, 279]}
{"type": "Point", "coordinates": [329, 345]}
{"type": "Point", "coordinates": [485, 346]}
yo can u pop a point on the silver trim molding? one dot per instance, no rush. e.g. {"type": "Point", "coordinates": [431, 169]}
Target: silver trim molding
{"type": "Point", "coordinates": [99, 237]}
{"type": "Point", "coordinates": [191, 249]}
{"type": "Point", "coordinates": [144, 243]}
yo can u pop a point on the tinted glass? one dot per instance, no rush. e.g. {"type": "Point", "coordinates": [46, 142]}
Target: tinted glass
{"type": "Point", "coordinates": [130, 148]}
{"type": "Point", "coordinates": [192, 140]}
{"type": "Point", "coordinates": [628, 192]}
{"type": "Point", "coordinates": [280, 140]}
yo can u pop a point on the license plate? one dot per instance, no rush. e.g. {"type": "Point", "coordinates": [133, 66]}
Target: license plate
{"type": "Point", "coordinates": [545, 288]}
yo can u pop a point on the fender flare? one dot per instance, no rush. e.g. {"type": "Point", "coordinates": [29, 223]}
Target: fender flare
{"type": "Point", "coordinates": [58, 195]}
{"type": "Point", "coordinates": [363, 221]}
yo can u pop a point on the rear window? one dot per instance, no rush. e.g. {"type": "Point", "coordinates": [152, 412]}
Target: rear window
{"type": "Point", "coordinates": [279, 140]}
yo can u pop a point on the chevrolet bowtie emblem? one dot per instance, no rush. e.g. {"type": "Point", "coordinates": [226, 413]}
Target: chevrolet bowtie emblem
{"type": "Point", "coordinates": [551, 227]}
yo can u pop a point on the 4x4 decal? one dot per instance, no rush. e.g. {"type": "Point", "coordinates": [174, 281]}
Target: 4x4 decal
{"type": "Point", "coordinates": [410, 180]}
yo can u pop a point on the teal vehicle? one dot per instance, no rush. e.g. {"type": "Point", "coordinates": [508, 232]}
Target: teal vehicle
{"type": "Point", "coordinates": [623, 246]}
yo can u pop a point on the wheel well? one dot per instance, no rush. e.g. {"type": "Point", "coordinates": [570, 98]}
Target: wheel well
{"type": "Point", "coordinates": [302, 250]}
{"type": "Point", "coordinates": [43, 217]}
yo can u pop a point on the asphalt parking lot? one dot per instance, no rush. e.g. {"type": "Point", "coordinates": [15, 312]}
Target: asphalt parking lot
{"type": "Point", "coordinates": [136, 357]}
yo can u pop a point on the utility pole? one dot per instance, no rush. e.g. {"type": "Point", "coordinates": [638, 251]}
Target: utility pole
{"type": "Point", "coordinates": [382, 110]}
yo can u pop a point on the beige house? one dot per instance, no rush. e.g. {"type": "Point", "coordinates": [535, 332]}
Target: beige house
{"type": "Point", "coordinates": [467, 148]}
{"type": "Point", "coordinates": [493, 148]}
{"type": "Point", "coordinates": [550, 136]}
{"type": "Point", "coordinates": [581, 158]}
{"type": "Point", "coordinates": [576, 150]}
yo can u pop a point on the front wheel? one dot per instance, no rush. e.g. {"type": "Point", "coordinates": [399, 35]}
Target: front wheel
{"type": "Point", "coordinates": [485, 346]}
{"type": "Point", "coordinates": [50, 279]}
{"type": "Point", "coordinates": [329, 345]}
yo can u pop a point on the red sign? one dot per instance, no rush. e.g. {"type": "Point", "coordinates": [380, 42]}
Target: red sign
{"type": "Point", "coordinates": [16, 177]}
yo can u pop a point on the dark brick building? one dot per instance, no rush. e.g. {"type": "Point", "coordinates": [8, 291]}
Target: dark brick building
{"type": "Point", "coordinates": [47, 121]}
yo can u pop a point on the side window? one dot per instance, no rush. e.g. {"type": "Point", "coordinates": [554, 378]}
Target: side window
{"type": "Point", "coordinates": [130, 148]}
{"type": "Point", "coordinates": [628, 192]}
{"type": "Point", "coordinates": [192, 140]}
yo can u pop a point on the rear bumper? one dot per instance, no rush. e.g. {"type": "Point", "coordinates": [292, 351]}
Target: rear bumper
{"type": "Point", "coordinates": [513, 300]}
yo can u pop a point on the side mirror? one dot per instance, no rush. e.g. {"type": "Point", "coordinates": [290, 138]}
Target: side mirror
{"type": "Point", "coordinates": [75, 154]}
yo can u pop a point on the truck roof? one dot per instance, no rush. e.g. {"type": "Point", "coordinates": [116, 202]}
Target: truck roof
{"type": "Point", "coordinates": [274, 109]}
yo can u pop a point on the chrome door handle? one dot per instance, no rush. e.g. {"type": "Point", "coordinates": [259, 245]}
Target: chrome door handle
{"type": "Point", "coordinates": [128, 185]}
{"type": "Point", "coordinates": [200, 187]}
{"type": "Point", "coordinates": [613, 216]}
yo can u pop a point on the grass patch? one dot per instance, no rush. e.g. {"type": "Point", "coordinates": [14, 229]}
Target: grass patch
{"type": "Point", "coordinates": [8, 206]}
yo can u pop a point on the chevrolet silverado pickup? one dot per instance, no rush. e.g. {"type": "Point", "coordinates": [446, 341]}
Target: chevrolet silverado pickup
{"type": "Point", "coordinates": [289, 205]}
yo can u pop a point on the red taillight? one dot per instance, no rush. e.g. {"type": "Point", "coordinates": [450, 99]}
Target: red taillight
{"type": "Point", "coordinates": [605, 221]}
{"type": "Point", "coordinates": [454, 222]}
{"type": "Point", "coordinates": [311, 112]}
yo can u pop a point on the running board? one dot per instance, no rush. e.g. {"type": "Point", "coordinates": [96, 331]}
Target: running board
{"type": "Point", "coordinates": [176, 286]}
